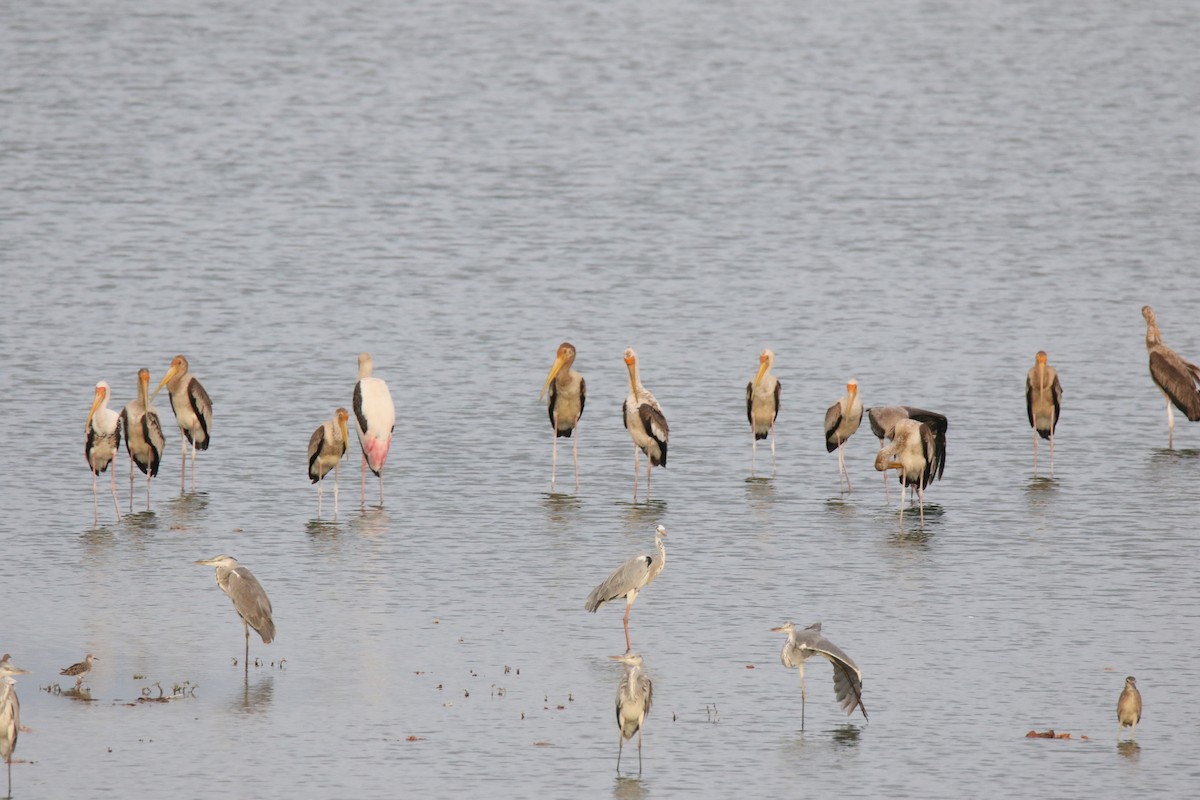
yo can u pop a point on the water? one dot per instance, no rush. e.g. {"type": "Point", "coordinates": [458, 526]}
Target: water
{"type": "Point", "coordinates": [918, 195]}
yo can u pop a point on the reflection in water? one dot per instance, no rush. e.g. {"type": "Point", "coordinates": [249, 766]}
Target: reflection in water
{"type": "Point", "coordinates": [257, 697]}
{"type": "Point", "coordinates": [760, 494]}
{"type": "Point", "coordinates": [323, 528]}
{"type": "Point", "coordinates": [561, 508]}
{"type": "Point", "coordinates": [1167, 456]}
{"type": "Point", "coordinates": [186, 508]}
{"type": "Point", "coordinates": [644, 513]}
{"type": "Point", "coordinates": [83, 694]}
{"type": "Point", "coordinates": [372, 522]}
{"type": "Point", "coordinates": [627, 788]}
{"type": "Point", "coordinates": [141, 521]}
{"type": "Point", "coordinates": [98, 540]}
{"type": "Point", "coordinates": [1130, 749]}
{"type": "Point", "coordinates": [846, 735]}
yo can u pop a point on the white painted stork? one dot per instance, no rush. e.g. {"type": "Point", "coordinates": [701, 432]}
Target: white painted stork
{"type": "Point", "coordinates": [144, 439]}
{"type": "Point", "coordinates": [883, 418]}
{"type": "Point", "coordinates": [325, 450]}
{"type": "Point", "coordinates": [375, 414]}
{"type": "Point", "coordinates": [1043, 398]}
{"type": "Point", "coordinates": [645, 422]}
{"type": "Point", "coordinates": [914, 453]}
{"type": "Point", "coordinates": [193, 412]}
{"type": "Point", "coordinates": [841, 421]}
{"type": "Point", "coordinates": [568, 393]}
{"type": "Point", "coordinates": [103, 440]}
{"type": "Point", "coordinates": [762, 405]}
{"type": "Point", "coordinates": [1176, 379]}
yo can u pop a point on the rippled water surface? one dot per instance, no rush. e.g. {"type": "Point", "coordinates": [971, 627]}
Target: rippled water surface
{"type": "Point", "coordinates": [918, 195]}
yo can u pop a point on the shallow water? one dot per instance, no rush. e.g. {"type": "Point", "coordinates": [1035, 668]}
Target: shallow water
{"type": "Point", "coordinates": [917, 195]}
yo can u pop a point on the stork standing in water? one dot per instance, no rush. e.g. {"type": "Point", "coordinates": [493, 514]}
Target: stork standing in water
{"type": "Point", "coordinates": [193, 412]}
{"type": "Point", "coordinates": [914, 453]}
{"type": "Point", "coordinates": [841, 420]}
{"type": "Point", "coordinates": [375, 415]}
{"type": "Point", "coordinates": [1043, 397]}
{"type": "Point", "coordinates": [802, 645]}
{"type": "Point", "coordinates": [325, 450]}
{"type": "Point", "coordinates": [762, 405]}
{"type": "Point", "coordinates": [883, 418]}
{"type": "Point", "coordinates": [568, 392]}
{"type": "Point", "coordinates": [628, 579]}
{"type": "Point", "coordinates": [645, 422]}
{"type": "Point", "coordinates": [101, 444]}
{"type": "Point", "coordinates": [1176, 378]}
{"type": "Point", "coordinates": [635, 694]}
{"type": "Point", "coordinates": [144, 439]}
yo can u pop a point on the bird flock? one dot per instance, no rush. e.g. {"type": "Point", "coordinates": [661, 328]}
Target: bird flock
{"type": "Point", "coordinates": [912, 441]}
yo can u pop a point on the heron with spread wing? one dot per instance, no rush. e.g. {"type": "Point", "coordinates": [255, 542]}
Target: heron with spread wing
{"type": "Point", "coordinates": [802, 645]}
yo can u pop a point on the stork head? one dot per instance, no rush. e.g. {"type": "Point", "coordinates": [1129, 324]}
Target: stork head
{"type": "Point", "coordinates": [562, 360]}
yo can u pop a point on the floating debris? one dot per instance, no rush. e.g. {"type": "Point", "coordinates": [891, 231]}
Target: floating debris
{"type": "Point", "coordinates": [414, 739]}
{"type": "Point", "coordinates": [542, 744]}
{"type": "Point", "coordinates": [1050, 734]}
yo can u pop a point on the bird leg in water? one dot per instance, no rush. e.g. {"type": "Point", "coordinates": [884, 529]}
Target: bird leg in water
{"type": "Point", "coordinates": [621, 746]}
{"type": "Point", "coordinates": [319, 497]}
{"type": "Point", "coordinates": [246, 625]}
{"type": "Point", "coordinates": [754, 443]}
{"type": "Point", "coordinates": [381, 487]}
{"type": "Point", "coordinates": [95, 502]}
{"type": "Point", "coordinates": [842, 468]}
{"type": "Point", "coordinates": [802, 695]}
{"type": "Point", "coordinates": [772, 448]}
{"type": "Point", "coordinates": [649, 464]}
{"type": "Point", "coordinates": [1051, 454]}
{"type": "Point", "coordinates": [554, 457]}
{"type": "Point", "coordinates": [363, 495]}
{"type": "Point", "coordinates": [574, 454]}
{"type": "Point", "coordinates": [193, 466]}
{"type": "Point", "coordinates": [628, 605]}
{"type": "Point", "coordinates": [639, 752]}
{"type": "Point", "coordinates": [635, 472]}
{"type": "Point", "coordinates": [336, 467]}
{"type": "Point", "coordinates": [1035, 452]}
{"type": "Point", "coordinates": [116, 502]}
{"type": "Point", "coordinates": [131, 483]}
{"type": "Point", "coordinates": [1170, 426]}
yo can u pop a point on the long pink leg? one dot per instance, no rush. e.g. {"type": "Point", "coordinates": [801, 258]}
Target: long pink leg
{"type": "Point", "coordinates": [95, 503]}
{"type": "Point", "coordinates": [131, 483]}
{"type": "Point", "coordinates": [363, 493]}
{"type": "Point", "coordinates": [193, 466]}
{"type": "Point", "coordinates": [113, 476]}
{"type": "Point", "coordinates": [554, 450]}
{"type": "Point", "coordinates": [649, 464]}
{"type": "Point", "coordinates": [381, 487]}
{"type": "Point", "coordinates": [1052, 455]}
{"type": "Point", "coordinates": [320, 492]}
{"type": "Point", "coordinates": [628, 605]}
{"type": "Point", "coordinates": [575, 455]}
{"type": "Point", "coordinates": [635, 472]}
{"type": "Point", "coordinates": [772, 447]}
{"type": "Point", "coordinates": [753, 444]}
{"type": "Point", "coordinates": [182, 462]}
{"type": "Point", "coordinates": [1035, 452]}
{"type": "Point", "coordinates": [336, 467]}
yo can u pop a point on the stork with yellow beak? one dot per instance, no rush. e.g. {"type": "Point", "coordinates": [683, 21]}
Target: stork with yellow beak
{"type": "Point", "coordinates": [144, 439]}
{"type": "Point", "coordinates": [193, 412]}
{"type": "Point", "coordinates": [841, 420]}
{"type": "Point", "coordinates": [326, 448]}
{"type": "Point", "coordinates": [645, 422]}
{"type": "Point", "coordinates": [101, 445]}
{"type": "Point", "coordinates": [568, 393]}
{"type": "Point", "coordinates": [762, 405]}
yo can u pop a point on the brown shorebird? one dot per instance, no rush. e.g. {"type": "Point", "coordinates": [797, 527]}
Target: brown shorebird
{"type": "Point", "coordinates": [77, 671]}
{"type": "Point", "coordinates": [1129, 707]}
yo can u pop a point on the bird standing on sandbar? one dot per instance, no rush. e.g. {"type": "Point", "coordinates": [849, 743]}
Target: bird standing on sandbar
{"type": "Point", "coordinates": [568, 393]}
{"type": "Point", "coordinates": [78, 671]}
{"type": "Point", "coordinates": [644, 420]}
{"type": "Point", "coordinates": [628, 579]}
{"type": "Point", "coordinates": [802, 645]}
{"type": "Point", "coordinates": [1043, 399]}
{"type": "Point", "coordinates": [635, 695]}
{"type": "Point", "coordinates": [101, 443]}
{"type": "Point", "coordinates": [193, 412]}
{"type": "Point", "coordinates": [326, 447]}
{"type": "Point", "coordinates": [1176, 378]}
{"type": "Point", "coordinates": [249, 598]}
{"type": "Point", "coordinates": [762, 405]}
{"type": "Point", "coordinates": [1129, 708]}
{"type": "Point", "coordinates": [841, 421]}
{"type": "Point", "coordinates": [375, 418]}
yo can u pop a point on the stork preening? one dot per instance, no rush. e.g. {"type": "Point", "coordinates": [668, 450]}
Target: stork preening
{"type": "Point", "coordinates": [1176, 378]}
{"type": "Point", "coordinates": [841, 420]}
{"type": "Point", "coordinates": [326, 447]}
{"type": "Point", "coordinates": [762, 405]}
{"type": "Point", "coordinates": [193, 412]}
{"type": "Point", "coordinates": [883, 418]}
{"type": "Point", "coordinates": [914, 454]}
{"type": "Point", "coordinates": [1043, 399]}
{"type": "Point", "coordinates": [630, 578]}
{"type": "Point", "coordinates": [375, 416]}
{"type": "Point", "coordinates": [568, 393]}
{"type": "Point", "coordinates": [802, 645]}
{"type": "Point", "coordinates": [144, 439]}
{"type": "Point", "coordinates": [645, 422]}
{"type": "Point", "coordinates": [101, 443]}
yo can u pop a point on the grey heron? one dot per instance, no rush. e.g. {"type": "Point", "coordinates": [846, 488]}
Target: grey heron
{"type": "Point", "coordinates": [644, 420]}
{"type": "Point", "coordinates": [568, 393]}
{"type": "Point", "coordinates": [375, 417]}
{"type": "Point", "coordinates": [326, 447]}
{"type": "Point", "coordinates": [102, 440]}
{"type": "Point", "coordinates": [841, 421]}
{"type": "Point", "coordinates": [78, 671]}
{"type": "Point", "coordinates": [1176, 378]}
{"type": "Point", "coordinates": [1129, 707]}
{"type": "Point", "coordinates": [628, 579]}
{"type": "Point", "coordinates": [1043, 399]}
{"type": "Point", "coordinates": [883, 418]}
{"type": "Point", "coordinates": [248, 596]}
{"type": "Point", "coordinates": [144, 439]}
{"type": "Point", "coordinates": [193, 412]}
{"type": "Point", "coordinates": [802, 645]}
{"type": "Point", "coordinates": [635, 694]}
{"type": "Point", "coordinates": [762, 405]}
{"type": "Point", "coordinates": [10, 713]}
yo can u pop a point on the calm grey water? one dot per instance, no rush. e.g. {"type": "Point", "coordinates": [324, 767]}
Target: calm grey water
{"type": "Point", "coordinates": [918, 195]}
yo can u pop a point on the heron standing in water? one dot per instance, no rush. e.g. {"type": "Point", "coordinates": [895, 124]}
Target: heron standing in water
{"type": "Point", "coordinates": [634, 697]}
{"type": "Point", "coordinates": [628, 579]}
{"type": "Point", "coordinates": [10, 713]}
{"type": "Point", "coordinates": [802, 645]}
{"type": "Point", "coordinates": [248, 596]}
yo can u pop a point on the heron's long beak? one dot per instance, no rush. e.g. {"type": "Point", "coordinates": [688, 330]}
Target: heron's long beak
{"type": "Point", "coordinates": [559, 363]}
{"type": "Point", "coordinates": [95, 405]}
{"type": "Point", "coordinates": [762, 370]}
{"type": "Point", "coordinates": [776, 630]}
{"type": "Point", "coordinates": [207, 562]}
{"type": "Point", "coordinates": [171, 373]}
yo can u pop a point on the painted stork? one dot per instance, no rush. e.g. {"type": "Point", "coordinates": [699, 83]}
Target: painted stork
{"type": "Point", "coordinates": [375, 414]}
{"type": "Point", "coordinates": [762, 405]}
{"type": "Point", "coordinates": [144, 439]}
{"type": "Point", "coordinates": [841, 421]}
{"type": "Point", "coordinates": [645, 422]}
{"type": "Point", "coordinates": [914, 453]}
{"type": "Point", "coordinates": [883, 418]}
{"type": "Point", "coordinates": [193, 412]}
{"type": "Point", "coordinates": [325, 450]}
{"type": "Point", "coordinates": [103, 440]}
{"type": "Point", "coordinates": [568, 393]}
{"type": "Point", "coordinates": [1043, 398]}
{"type": "Point", "coordinates": [1176, 379]}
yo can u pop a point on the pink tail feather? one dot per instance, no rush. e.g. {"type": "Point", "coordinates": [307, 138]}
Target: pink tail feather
{"type": "Point", "coordinates": [376, 451]}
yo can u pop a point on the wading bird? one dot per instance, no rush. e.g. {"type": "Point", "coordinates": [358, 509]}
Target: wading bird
{"type": "Point", "coordinates": [325, 450]}
{"type": "Point", "coordinates": [645, 422]}
{"type": "Point", "coordinates": [10, 714]}
{"type": "Point", "coordinates": [628, 579]}
{"type": "Point", "coordinates": [914, 454]}
{"type": "Point", "coordinates": [1043, 397]}
{"type": "Point", "coordinates": [568, 392]}
{"type": "Point", "coordinates": [248, 596]}
{"type": "Point", "coordinates": [193, 412]}
{"type": "Point", "coordinates": [634, 696]}
{"type": "Point", "coordinates": [762, 405]}
{"type": "Point", "coordinates": [1176, 379]}
{"type": "Point", "coordinates": [103, 440]}
{"type": "Point", "coordinates": [841, 420]}
{"type": "Point", "coordinates": [847, 677]}
{"type": "Point", "coordinates": [375, 416]}
{"type": "Point", "coordinates": [883, 418]}
{"type": "Point", "coordinates": [143, 435]}
{"type": "Point", "coordinates": [1129, 708]}
{"type": "Point", "coordinates": [78, 671]}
